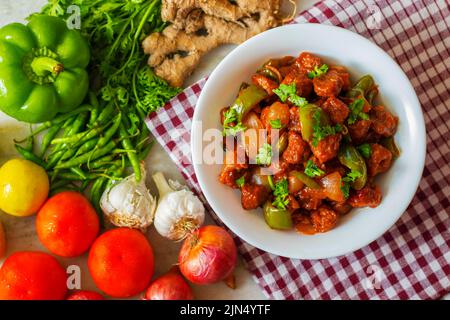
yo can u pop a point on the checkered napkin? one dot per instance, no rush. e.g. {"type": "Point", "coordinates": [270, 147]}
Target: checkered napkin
{"type": "Point", "coordinates": [412, 259]}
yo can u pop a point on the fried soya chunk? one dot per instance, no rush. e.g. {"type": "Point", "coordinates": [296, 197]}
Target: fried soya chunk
{"type": "Point", "coordinates": [331, 166]}
{"type": "Point", "coordinates": [232, 168]}
{"type": "Point", "coordinates": [383, 122]}
{"type": "Point", "coordinates": [359, 130]}
{"type": "Point", "coordinates": [344, 75]}
{"type": "Point", "coordinates": [324, 219]}
{"type": "Point", "coordinates": [366, 197]}
{"type": "Point", "coordinates": [293, 203]}
{"type": "Point", "coordinates": [327, 148]}
{"type": "Point", "coordinates": [303, 224]}
{"type": "Point", "coordinates": [306, 62]}
{"type": "Point", "coordinates": [380, 159]}
{"type": "Point", "coordinates": [341, 208]}
{"type": "Point", "coordinates": [294, 123]}
{"type": "Point", "coordinates": [303, 84]}
{"type": "Point", "coordinates": [253, 196]}
{"type": "Point", "coordinates": [336, 109]}
{"type": "Point", "coordinates": [328, 84]}
{"type": "Point", "coordinates": [321, 220]}
{"type": "Point", "coordinates": [297, 149]}
{"type": "Point", "coordinates": [264, 82]}
{"type": "Point", "coordinates": [278, 168]}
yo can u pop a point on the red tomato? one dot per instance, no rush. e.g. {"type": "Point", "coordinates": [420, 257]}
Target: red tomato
{"type": "Point", "coordinates": [32, 275]}
{"type": "Point", "coordinates": [67, 224]}
{"type": "Point", "coordinates": [121, 262]}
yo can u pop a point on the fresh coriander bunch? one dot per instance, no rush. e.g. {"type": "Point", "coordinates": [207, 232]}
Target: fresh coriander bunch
{"type": "Point", "coordinates": [96, 144]}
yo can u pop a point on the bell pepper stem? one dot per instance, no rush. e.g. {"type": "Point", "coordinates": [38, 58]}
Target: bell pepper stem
{"type": "Point", "coordinates": [41, 66]}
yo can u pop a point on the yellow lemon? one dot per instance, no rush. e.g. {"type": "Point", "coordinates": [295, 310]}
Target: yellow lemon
{"type": "Point", "coordinates": [24, 187]}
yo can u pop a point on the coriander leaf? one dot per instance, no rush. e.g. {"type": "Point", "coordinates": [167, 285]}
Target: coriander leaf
{"type": "Point", "coordinates": [353, 175]}
{"type": "Point", "coordinates": [240, 181]}
{"type": "Point", "coordinates": [318, 71]}
{"type": "Point", "coordinates": [275, 124]}
{"type": "Point", "coordinates": [321, 132]}
{"type": "Point", "coordinates": [264, 156]}
{"type": "Point", "coordinates": [289, 92]}
{"type": "Point", "coordinates": [356, 111]}
{"type": "Point", "coordinates": [284, 91]}
{"type": "Point", "coordinates": [311, 170]}
{"type": "Point", "coordinates": [345, 188]}
{"type": "Point", "coordinates": [298, 101]}
{"type": "Point", "coordinates": [233, 130]}
{"type": "Point", "coordinates": [230, 117]}
{"type": "Point", "coordinates": [365, 149]}
{"type": "Point", "coordinates": [347, 180]}
{"type": "Point", "coordinates": [281, 194]}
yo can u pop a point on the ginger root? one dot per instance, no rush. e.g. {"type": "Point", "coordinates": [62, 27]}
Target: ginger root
{"type": "Point", "coordinates": [199, 26]}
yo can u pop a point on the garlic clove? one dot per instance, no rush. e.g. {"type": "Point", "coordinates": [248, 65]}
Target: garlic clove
{"type": "Point", "coordinates": [129, 204]}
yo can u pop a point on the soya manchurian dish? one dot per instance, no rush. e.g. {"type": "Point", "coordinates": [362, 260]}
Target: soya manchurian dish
{"type": "Point", "coordinates": [305, 143]}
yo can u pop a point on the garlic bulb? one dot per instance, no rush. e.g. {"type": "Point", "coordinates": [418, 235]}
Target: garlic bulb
{"type": "Point", "coordinates": [129, 204]}
{"type": "Point", "coordinates": [178, 212]}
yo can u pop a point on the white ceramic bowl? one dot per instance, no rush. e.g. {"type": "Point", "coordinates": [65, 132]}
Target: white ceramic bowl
{"type": "Point", "coordinates": [360, 56]}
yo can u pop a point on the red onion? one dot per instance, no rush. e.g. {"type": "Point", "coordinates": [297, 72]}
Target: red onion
{"type": "Point", "coordinates": [208, 256]}
{"type": "Point", "coordinates": [170, 286]}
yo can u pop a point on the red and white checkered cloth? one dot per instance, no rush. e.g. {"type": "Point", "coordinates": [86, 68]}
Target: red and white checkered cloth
{"type": "Point", "coordinates": [412, 259]}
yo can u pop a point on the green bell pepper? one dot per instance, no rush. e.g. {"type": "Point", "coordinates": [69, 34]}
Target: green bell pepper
{"type": "Point", "coordinates": [247, 99]}
{"type": "Point", "coordinates": [309, 182]}
{"type": "Point", "coordinates": [389, 143]}
{"type": "Point", "coordinates": [306, 118]}
{"type": "Point", "coordinates": [42, 69]}
{"type": "Point", "coordinates": [352, 159]}
{"type": "Point", "coordinates": [361, 87]}
{"type": "Point", "coordinates": [277, 218]}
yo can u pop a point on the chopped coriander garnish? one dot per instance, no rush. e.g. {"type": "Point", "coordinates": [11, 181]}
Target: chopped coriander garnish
{"type": "Point", "coordinates": [232, 131]}
{"type": "Point", "coordinates": [298, 101]}
{"type": "Point", "coordinates": [356, 111]}
{"type": "Point", "coordinates": [289, 92]}
{"type": "Point", "coordinates": [321, 132]}
{"type": "Point", "coordinates": [347, 180]}
{"type": "Point", "coordinates": [311, 170]}
{"type": "Point", "coordinates": [284, 91]}
{"type": "Point", "coordinates": [275, 124]}
{"type": "Point", "coordinates": [365, 149]}
{"type": "Point", "coordinates": [281, 193]}
{"type": "Point", "coordinates": [264, 156]}
{"type": "Point", "coordinates": [240, 181]}
{"type": "Point", "coordinates": [318, 71]}
{"type": "Point", "coordinates": [231, 117]}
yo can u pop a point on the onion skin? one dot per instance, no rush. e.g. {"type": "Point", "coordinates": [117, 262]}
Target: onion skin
{"type": "Point", "coordinates": [170, 286]}
{"type": "Point", "coordinates": [208, 256]}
